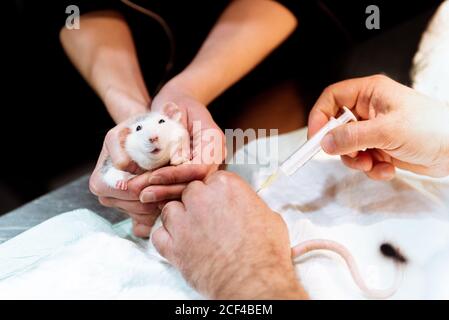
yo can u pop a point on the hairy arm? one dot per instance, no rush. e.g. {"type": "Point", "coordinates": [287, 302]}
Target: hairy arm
{"type": "Point", "coordinates": [103, 52]}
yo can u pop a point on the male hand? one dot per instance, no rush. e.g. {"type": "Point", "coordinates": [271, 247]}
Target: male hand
{"type": "Point", "coordinates": [398, 127]}
{"type": "Point", "coordinates": [227, 242]}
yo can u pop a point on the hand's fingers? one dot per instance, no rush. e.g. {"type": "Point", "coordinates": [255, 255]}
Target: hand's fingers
{"type": "Point", "coordinates": [159, 193]}
{"type": "Point", "coordinates": [161, 204]}
{"type": "Point", "coordinates": [163, 243]}
{"type": "Point", "coordinates": [317, 120]}
{"type": "Point", "coordinates": [334, 97]}
{"type": "Point", "coordinates": [352, 154]}
{"type": "Point", "coordinates": [141, 230]}
{"type": "Point", "coordinates": [172, 215]}
{"type": "Point", "coordinates": [130, 206]}
{"type": "Point", "coordinates": [179, 174]}
{"type": "Point", "coordinates": [192, 191]}
{"type": "Point", "coordinates": [382, 171]}
{"type": "Point", "coordinates": [355, 136]}
{"type": "Point", "coordinates": [146, 219]}
{"type": "Point", "coordinates": [362, 162]}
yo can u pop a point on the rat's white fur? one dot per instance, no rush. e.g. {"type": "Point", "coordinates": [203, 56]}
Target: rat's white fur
{"type": "Point", "coordinates": [113, 175]}
{"type": "Point", "coordinates": [173, 144]}
{"type": "Point", "coordinates": [170, 138]}
{"type": "Point", "coordinates": [430, 73]}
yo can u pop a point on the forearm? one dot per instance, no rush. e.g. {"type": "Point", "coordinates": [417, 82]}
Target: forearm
{"type": "Point", "coordinates": [246, 32]}
{"type": "Point", "coordinates": [103, 52]}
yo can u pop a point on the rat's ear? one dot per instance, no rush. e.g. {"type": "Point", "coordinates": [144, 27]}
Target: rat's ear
{"type": "Point", "coordinates": [172, 111]}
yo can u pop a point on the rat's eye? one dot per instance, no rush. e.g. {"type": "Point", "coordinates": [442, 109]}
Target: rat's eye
{"type": "Point", "coordinates": [138, 128]}
{"type": "Point", "coordinates": [161, 121]}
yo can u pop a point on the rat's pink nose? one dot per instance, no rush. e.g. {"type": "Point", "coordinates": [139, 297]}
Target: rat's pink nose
{"type": "Point", "coordinates": [154, 139]}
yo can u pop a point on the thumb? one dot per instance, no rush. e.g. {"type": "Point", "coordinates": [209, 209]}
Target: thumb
{"type": "Point", "coordinates": [353, 137]}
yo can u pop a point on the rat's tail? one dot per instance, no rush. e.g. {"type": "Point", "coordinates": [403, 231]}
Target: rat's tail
{"type": "Point", "coordinates": [318, 244]}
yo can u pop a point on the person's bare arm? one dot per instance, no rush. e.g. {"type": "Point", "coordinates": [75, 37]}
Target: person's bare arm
{"type": "Point", "coordinates": [103, 52]}
{"type": "Point", "coordinates": [246, 32]}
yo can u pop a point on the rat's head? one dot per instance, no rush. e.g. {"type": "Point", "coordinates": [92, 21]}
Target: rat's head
{"type": "Point", "coordinates": [151, 136]}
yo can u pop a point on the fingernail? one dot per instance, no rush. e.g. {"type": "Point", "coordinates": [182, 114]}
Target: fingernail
{"type": "Point", "coordinates": [328, 143]}
{"type": "Point", "coordinates": [147, 197]}
{"type": "Point", "coordinates": [155, 180]}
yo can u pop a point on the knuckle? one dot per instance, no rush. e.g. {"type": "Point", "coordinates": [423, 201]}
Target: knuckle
{"type": "Point", "coordinates": [379, 78]}
{"type": "Point", "coordinates": [171, 178]}
{"type": "Point", "coordinates": [150, 210]}
{"type": "Point", "coordinates": [328, 91]}
{"type": "Point", "coordinates": [192, 186]}
{"type": "Point", "coordinates": [165, 211]}
{"type": "Point", "coordinates": [216, 175]}
{"type": "Point", "coordinates": [192, 190]}
{"type": "Point", "coordinates": [385, 136]}
{"type": "Point", "coordinates": [146, 219]}
{"type": "Point", "coordinates": [226, 177]}
{"type": "Point", "coordinates": [170, 206]}
{"type": "Point", "coordinates": [141, 230]}
{"type": "Point", "coordinates": [134, 190]}
{"type": "Point", "coordinates": [169, 175]}
{"type": "Point", "coordinates": [157, 238]}
{"type": "Point", "coordinates": [224, 181]}
{"type": "Point", "coordinates": [94, 186]}
{"type": "Point", "coordinates": [110, 135]}
{"type": "Point", "coordinates": [348, 137]}
{"type": "Point", "coordinates": [104, 201]}
{"type": "Point", "coordinates": [223, 177]}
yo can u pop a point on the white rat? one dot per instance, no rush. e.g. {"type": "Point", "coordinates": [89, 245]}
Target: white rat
{"type": "Point", "coordinates": [152, 141]}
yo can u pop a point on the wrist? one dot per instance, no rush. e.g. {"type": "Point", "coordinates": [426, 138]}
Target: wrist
{"type": "Point", "coordinates": [185, 85]}
{"type": "Point", "coordinates": [122, 104]}
{"type": "Point", "coordinates": [181, 95]}
{"type": "Point", "coordinates": [262, 284]}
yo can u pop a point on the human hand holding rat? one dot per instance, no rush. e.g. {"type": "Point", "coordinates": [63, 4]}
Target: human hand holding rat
{"type": "Point", "coordinates": [208, 148]}
{"type": "Point", "coordinates": [398, 127]}
{"type": "Point", "coordinates": [240, 249]}
{"type": "Point", "coordinates": [127, 201]}
{"type": "Point", "coordinates": [145, 142]}
{"type": "Point", "coordinates": [170, 181]}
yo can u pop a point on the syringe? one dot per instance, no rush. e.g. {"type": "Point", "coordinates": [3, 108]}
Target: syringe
{"type": "Point", "coordinates": [309, 149]}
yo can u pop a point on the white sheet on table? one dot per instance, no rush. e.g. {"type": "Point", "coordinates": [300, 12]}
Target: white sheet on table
{"type": "Point", "coordinates": [329, 201]}
{"type": "Point", "coordinates": [79, 255]}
